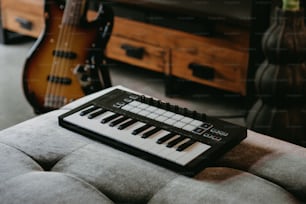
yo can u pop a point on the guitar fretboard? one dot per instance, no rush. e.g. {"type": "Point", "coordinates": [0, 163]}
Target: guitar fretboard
{"type": "Point", "coordinates": [73, 11]}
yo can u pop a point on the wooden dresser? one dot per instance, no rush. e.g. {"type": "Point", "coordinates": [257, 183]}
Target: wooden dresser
{"type": "Point", "coordinates": [214, 54]}
{"type": "Point", "coordinates": [23, 16]}
{"type": "Point", "coordinates": [219, 62]}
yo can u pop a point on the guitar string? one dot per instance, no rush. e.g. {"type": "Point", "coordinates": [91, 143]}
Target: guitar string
{"type": "Point", "coordinates": [69, 65]}
{"type": "Point", "coordinates": [64, 63]}
{"type": "Point", "coordinates": [49, 98]}
{"type": "Point", "coordinates": [57, 64]}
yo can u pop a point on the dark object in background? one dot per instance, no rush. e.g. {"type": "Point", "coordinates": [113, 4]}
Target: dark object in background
{"type": "Point", "coordinates": [280, 80]}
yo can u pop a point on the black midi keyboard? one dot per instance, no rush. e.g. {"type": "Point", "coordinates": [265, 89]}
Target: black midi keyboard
{"type": "Point", "coordinates": [177, 138]}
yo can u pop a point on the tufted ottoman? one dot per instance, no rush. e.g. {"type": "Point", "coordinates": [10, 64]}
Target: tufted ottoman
{"type": "Point", "coordinates": [44, 163]}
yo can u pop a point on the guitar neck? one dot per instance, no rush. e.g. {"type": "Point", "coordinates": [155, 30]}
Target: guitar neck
{"type": "Point", "coordinates": [74, 10]}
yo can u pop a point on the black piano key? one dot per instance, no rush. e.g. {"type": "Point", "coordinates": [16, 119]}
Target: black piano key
{"type": "Point", "coordinates": [109, 118]}
{"type": "Point", "coordinates": [118, 121]}
{"type": "Point", "coordinates": [142, 128]}
{"type": "Point", "coordinates": [165, 138]}
{"type": "Point", "coordinates": [97, 113]}
{"type": "Point", "coordinates": [150, 132]}
{"type": "Point", "coordinates": [174, 142]}
{"type": "Point", "coordinates": [127, 124]}
{"type": "Point", "coordinates": [89, 110]}
{"type": "Point", "coordinates": [185, 145]}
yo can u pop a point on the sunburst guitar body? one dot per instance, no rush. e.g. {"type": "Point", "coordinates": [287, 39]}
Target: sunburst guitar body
{"type": "Point", "coordinates": [66, 61]}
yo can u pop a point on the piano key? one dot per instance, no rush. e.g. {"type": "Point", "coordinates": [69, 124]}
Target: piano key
{"type": "Point", "coordinates": [150, 144]}
{"type": "Point", "coordinates": [110, 118]}
{"type": "Point", "coordinates": [118, 121]}
{"type": "Point", "coordinates": [126, 124]}
{"type": "Point", "coordinates": [150, 132]}
{"type": "Point", "coordinates": [192, 152]}
{"type": "Point", "coordinates": [89, 110]}
{"type": "Point", "coordinates": [141, 129]}
{"type": "Point", "coordinates": [165, 138]}
{"type": "Point", "coordinates": [165, 151]}
{"type": "Point", "coordinates": [174, 142]}
{"type": "Point", "coordinates": [96, 113]}
{"type": "Point", "coordinates": [185, 145]}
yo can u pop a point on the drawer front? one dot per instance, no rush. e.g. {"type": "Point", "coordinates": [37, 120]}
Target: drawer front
{"type": "Point", "coordinates": [34, 7]}
{"type": "Point", "coordinates": [138, 53]}
{"type": "Point", "coordinates": [22, 22]}
{"type": "Point", "coordinates": [212, 69]}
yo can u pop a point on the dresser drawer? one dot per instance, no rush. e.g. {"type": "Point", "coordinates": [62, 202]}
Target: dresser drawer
{"type": "Point", "coordinates": [138, 53]}
{"type": "Point", "coordinates": [22, 22]}
{"type": "Point", "coordinates": [213, 68]}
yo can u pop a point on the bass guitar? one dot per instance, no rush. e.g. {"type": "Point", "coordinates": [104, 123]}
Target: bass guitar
{"type": "Point", "coordinates": [66, 62]}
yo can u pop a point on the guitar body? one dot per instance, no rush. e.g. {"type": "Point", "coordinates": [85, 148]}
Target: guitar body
{"type": "Point", "coordinates": [51, 77]}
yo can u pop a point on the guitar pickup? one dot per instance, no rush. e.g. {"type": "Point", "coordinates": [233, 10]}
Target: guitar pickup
{"type": "Point", "coordinates": [64, 54]}
{"type": "Point", "coordinates": [59, 80]}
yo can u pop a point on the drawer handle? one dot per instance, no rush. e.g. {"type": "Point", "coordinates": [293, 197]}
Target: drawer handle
{"type": "Point", "coordinates": [24, 23]}
{"type": "Point", "coordinates": [202, 71]}
{"type": "Point", "coordinates": [134, 52]}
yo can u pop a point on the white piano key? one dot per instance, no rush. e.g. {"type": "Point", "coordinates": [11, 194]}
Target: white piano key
{"type": "Point", "coordinates": [148, 144]}
{"type": "Point", "coordinates": [174, 154]}
{"type": "Point", "coordinates": [166, 150]}
{"type": "Point", "coordinates": [192, 152]}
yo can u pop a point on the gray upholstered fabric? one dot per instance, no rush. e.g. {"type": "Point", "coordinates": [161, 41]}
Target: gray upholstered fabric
{"type": "Point", "coordinates": [44, 163]}
{"type": "Point", "coordinates": [47, 187]}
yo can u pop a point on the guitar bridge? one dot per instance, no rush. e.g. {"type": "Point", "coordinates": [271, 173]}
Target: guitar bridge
{"type": "Point", "coordinates": [53, 101]}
